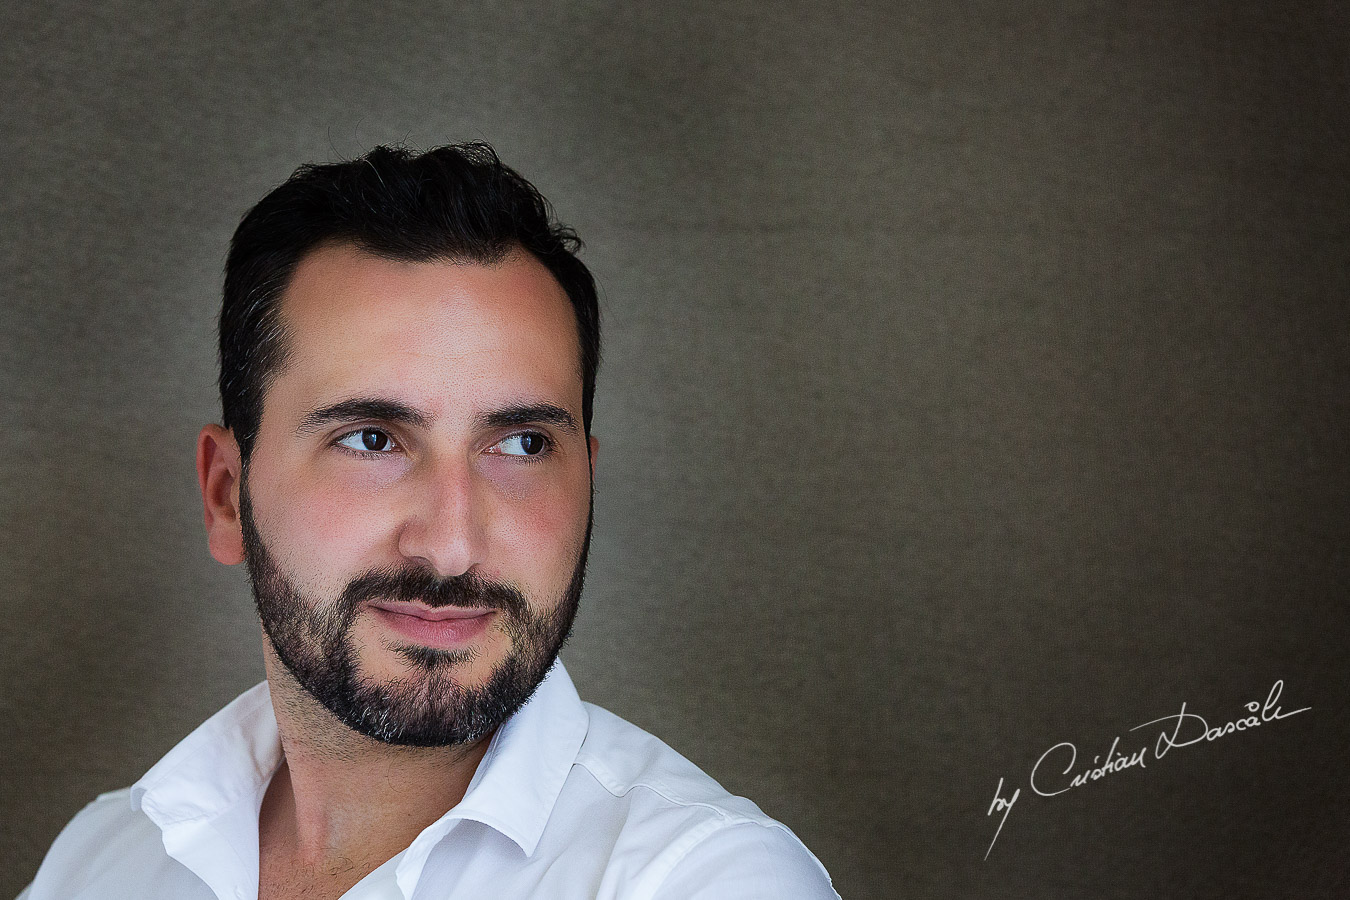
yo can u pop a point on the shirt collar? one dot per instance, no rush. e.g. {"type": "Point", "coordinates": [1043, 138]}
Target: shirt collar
{"type": "Point", "coordinates": [211, 785]}
{"type": "Point", "coordinates": [206, 792]}
{"type": "Point", "coordinates": [518, 781]}
{"type": "Point", "coordinates": [229, 757]}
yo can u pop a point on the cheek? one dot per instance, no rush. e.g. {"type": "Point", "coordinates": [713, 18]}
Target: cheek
{"type": "Point", "coordinates": [542, 534]}
{"type": "Point", "coordinates": [326, 532]}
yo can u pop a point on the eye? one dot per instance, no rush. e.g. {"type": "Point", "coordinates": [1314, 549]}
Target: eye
{"type": "Point", "coordinates": [367, 440]}
{"type": "Point", "coordinates": [529, 443]}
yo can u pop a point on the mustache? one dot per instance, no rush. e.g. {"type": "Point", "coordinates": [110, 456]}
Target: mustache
{"type": "Point", "coordinates": [418, 585]}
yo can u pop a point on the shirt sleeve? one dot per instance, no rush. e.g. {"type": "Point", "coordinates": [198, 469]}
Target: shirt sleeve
{"type": "Point", "coordinates": [748, 861]}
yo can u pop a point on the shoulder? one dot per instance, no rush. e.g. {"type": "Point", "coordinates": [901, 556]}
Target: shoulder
{"type": "Point", "coordinates": [677, 832]}
{"type": "Point", "coordinates": [107, 843]}
{"type": "Point", "coordinates": [624, 758]}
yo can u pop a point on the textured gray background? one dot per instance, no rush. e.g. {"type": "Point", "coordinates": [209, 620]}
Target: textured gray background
{"type": "Point", "coordinates": [976, 380]}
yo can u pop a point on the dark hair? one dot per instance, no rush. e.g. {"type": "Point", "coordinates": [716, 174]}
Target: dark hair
{"type": "Point", "coordinates": [457, 203]}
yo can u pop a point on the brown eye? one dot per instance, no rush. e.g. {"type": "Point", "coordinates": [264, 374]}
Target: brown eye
{"type": "Point", "coordinates": [369, 440]}
{"type": "Point", "coordinates": [528, 444]}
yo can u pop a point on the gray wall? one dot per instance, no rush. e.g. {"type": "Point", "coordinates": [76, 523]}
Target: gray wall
{"type": "Point", "coordinates": [976, 380]}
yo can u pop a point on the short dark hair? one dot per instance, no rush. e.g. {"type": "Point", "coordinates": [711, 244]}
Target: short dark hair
{"type": "Point", "coordinates": [456, 203]}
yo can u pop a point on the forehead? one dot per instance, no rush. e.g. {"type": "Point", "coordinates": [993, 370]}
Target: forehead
{"type": "Point", "coordinates": [431, 333]}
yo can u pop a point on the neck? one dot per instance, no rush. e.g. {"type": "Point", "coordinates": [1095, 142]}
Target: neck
{"type": "Point", "coordinates": [343, 798]}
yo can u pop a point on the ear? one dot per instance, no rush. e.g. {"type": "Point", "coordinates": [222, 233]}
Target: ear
{"type": "Point", "coordinates": [218, 474]}
{"type": "Point", "coordinates": [594, 443]}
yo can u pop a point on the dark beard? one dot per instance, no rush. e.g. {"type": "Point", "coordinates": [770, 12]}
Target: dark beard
{"type": "Point", "coordinates": [428, 708]}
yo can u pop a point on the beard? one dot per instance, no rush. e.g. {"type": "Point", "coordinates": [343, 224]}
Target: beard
{"type": "Point", "coordinates": [427, 707]}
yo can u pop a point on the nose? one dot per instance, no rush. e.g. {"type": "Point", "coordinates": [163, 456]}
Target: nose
{"type": "Point", "coordinates": [446, 524]}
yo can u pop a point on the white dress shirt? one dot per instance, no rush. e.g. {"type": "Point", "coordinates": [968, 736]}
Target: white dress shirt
{"type": "Point", "coordinates": [569, 801]}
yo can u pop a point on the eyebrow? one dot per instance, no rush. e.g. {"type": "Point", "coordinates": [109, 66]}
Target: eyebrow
{"type": "Point", "coordinates": [527, 414]}
{"type": "Point", "coordinates": [395, 411]}
{"type": "Point", "coordinates": [361, 408]}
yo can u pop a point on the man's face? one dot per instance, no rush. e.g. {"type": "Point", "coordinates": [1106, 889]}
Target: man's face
{"type": "Point", "coordinates": [415, 513]}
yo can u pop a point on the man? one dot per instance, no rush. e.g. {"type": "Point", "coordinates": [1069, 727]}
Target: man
{"type": "Point", "coordinates": [408, 352]}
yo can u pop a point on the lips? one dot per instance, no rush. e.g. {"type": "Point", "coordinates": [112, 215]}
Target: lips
{"type": "Point", "coordinates": [442, 628]}
{"type": "Point", "coordinates": [440, 614]}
